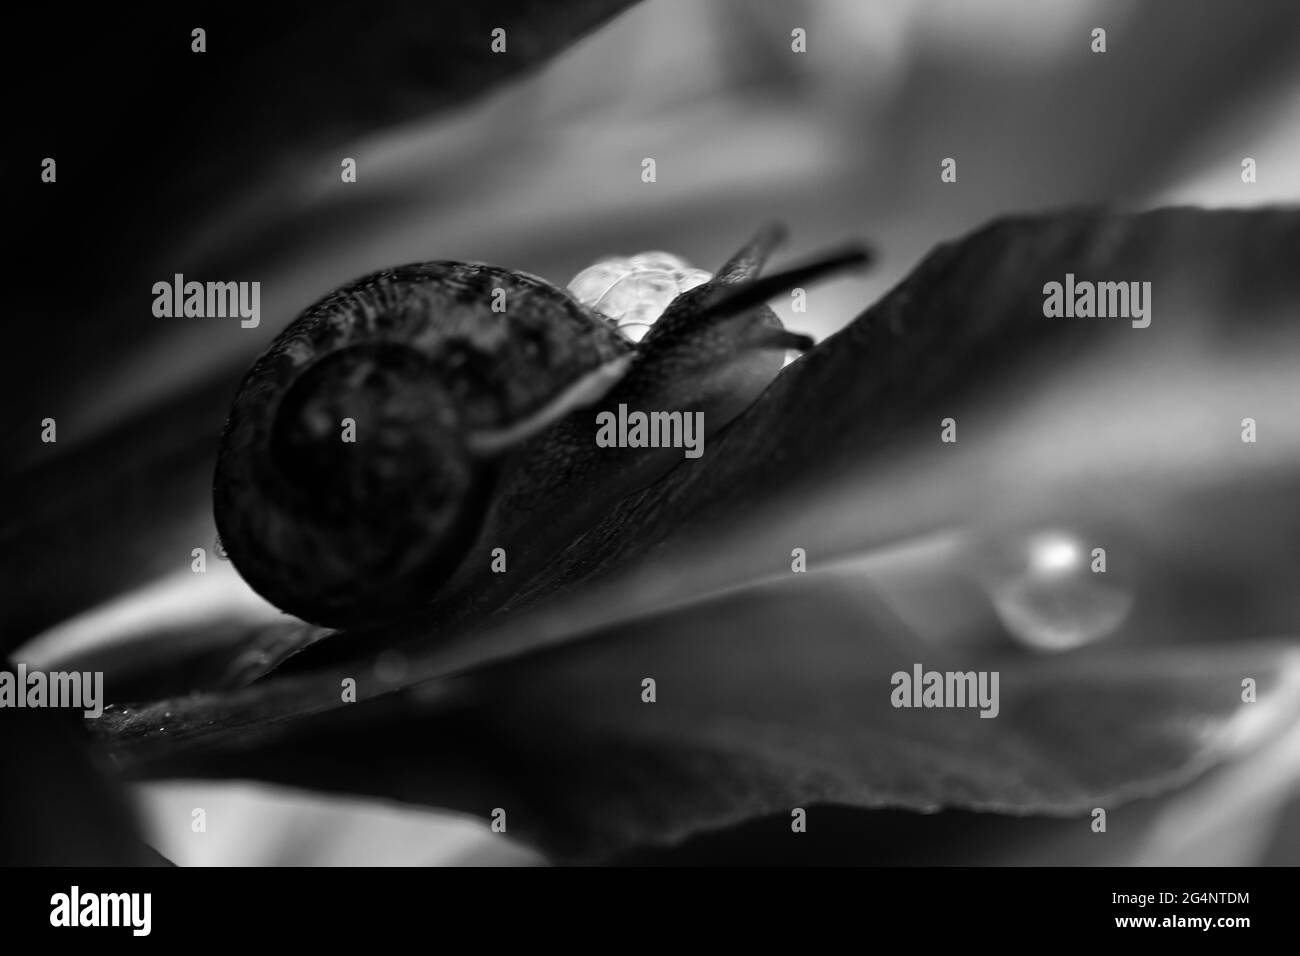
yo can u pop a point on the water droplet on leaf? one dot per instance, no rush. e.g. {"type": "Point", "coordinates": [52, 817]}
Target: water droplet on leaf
{"type": "Point", "coordinates": [1046, 593]}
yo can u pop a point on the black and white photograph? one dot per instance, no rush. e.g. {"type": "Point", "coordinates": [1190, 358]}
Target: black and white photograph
{"type": "Point", "coordinates": [675, 433]}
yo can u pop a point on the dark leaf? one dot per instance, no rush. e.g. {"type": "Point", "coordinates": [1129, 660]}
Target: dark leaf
{"type": "Point", "coordinates": [774, 688]}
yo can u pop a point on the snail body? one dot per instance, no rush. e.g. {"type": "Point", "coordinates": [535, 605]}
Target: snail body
{"type": "Point", "coordinates": [402, 418]}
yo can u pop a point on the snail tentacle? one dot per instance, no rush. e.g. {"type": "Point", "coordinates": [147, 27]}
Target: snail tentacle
{"type": "Point", "coordinates": [413, 421]}
{"type": "Point", "coordinates": [346, 491]}
{"type": "Point", "coordinates": [749, 259]}
{"type": "Point", "coordinates": [726, 301]}
{"type": "Point", "coordinates": [586, 391]}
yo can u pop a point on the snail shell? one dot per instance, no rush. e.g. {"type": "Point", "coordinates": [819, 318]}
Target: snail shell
{"type": "Point", "coordinates": [343, 532]}
{"type": "Point", "coordinates": [468, 422]}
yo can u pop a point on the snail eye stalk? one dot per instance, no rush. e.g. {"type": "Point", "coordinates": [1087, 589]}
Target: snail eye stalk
{"type": "Point", "coordinates": [729, 300]}
{"type": "Point", "coordinates": [750, 258]}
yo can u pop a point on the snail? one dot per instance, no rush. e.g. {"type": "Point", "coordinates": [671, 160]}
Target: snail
{"type": "Point", "coordinates": [412, 421]}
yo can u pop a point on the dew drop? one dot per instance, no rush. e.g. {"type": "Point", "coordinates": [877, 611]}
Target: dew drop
{"type": "Point", "coordinates": [688, 279]}
{"type": "Point", "coordinates": [658, 261]}
{"type": "Point", "coordinates": [635, 291]}
{"type": "Point", "coordinates": [1046, 594]}
{"type": "Point", "coordinates": [635, 331]}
